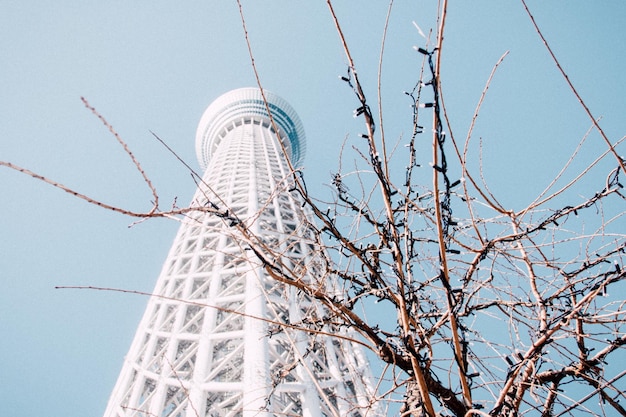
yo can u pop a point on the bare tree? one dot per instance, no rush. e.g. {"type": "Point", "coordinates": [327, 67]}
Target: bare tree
{"type": "Point", "coordinates": [474, 307]}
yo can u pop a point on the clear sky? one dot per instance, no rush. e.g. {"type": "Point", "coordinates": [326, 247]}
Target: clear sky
{"type": "Point", "coordinates": [155, 66]}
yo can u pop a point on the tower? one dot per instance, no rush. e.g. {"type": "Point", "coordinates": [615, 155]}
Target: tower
{"type": "Point", "coordinates": [221, 336]}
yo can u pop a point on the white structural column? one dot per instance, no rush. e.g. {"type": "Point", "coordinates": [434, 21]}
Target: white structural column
{"type": "Point", "coordinates": [220, 337]}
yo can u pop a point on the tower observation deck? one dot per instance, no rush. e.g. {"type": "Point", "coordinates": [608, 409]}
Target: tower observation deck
{"type": "Point", "coordinates": [220, 336]}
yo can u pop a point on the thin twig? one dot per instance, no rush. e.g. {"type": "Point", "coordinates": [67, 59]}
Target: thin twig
{"type": "Point", "coordinates": [379, 89]}
{"type": "Point", "coordinates": [595, 122]}
{"type": "Point", "coordinates": [223, 309]}
{"type": "Point", "coordinates": [128, 152]}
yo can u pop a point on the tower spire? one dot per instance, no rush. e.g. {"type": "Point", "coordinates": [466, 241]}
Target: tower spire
{"type": "Point", "coordinates": [220, 336]}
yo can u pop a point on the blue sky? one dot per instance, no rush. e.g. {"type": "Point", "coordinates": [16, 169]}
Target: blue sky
{"type": "Point", "coordinates": [155, 66]}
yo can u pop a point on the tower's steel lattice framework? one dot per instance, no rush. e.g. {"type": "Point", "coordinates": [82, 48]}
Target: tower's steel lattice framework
{"type": "Point", "coordinates": [210, 342]}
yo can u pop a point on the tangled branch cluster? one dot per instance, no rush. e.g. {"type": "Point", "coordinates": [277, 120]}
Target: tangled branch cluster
{"type": "Point", "coordinates": [474, 308]}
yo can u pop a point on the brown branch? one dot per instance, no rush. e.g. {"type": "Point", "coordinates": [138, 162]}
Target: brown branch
{"type": "Point", "coordinates": [84, 197]}
{"type": "Point", "coordinates": [128, 152]}
{"type": "Point", "coordinates": [544, 339]}
{"type": "Point", "coordinates": [223, 309]}
{"type": "Point", "coordinates": [445, 274]}
{"type": "Point", "coordinates": [599, 387]}
{"type": "Point", "coordinates": [486, 195]}
{"type": "Point", "coordinates": [386, 196]}
{"type": "Point", "coordinates": [611, 147]}
{"type": "Point", "coordinates": [379, 90]}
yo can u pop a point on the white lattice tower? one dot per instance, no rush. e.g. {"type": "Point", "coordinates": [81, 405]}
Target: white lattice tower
{"type": "Point", "coordinates": [220, 337]}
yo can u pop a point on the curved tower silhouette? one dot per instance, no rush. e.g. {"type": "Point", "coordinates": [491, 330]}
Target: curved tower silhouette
{"type": "Point", "coordinates": [221, 336]}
